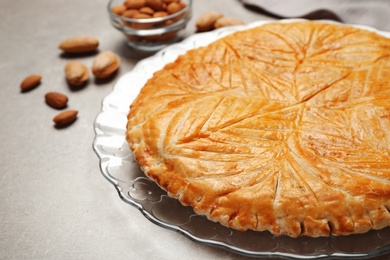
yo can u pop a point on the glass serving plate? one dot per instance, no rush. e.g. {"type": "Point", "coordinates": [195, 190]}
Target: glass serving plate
{"type": "Point", "coordinates": [118, 166]}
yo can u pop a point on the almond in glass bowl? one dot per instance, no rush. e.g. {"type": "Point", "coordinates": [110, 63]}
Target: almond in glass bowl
{"type": "Point", "coordinates": [150, 25]}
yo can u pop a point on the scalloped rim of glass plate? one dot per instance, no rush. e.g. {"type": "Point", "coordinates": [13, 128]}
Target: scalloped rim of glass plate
{"type": "Point", "coordinates": [197, 40]}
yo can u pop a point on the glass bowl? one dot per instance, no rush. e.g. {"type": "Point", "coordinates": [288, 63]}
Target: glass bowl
{"type": "Point", "coordinates": [150, 31]}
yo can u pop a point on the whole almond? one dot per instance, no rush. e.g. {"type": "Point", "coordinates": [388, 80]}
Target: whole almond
{"type": "Point", "coordinates": [160, 14]}
{"type": "Point", "coordinates": [156, 5]}
{"type": "Point", "coordinates": [227, 21]}
{"type": "Point", "coordinates": [130, 13]}
{"type": "Point", "coordinates": [206, 21]}
{"type": "Point", "coordinates": [56, 100]}
{"type": "Point", "coordinates": [30, 82]}
{"type": "Point", "coordinates": [79, 44]}
{"type": "Point", "coordinates": [142, 16]}
{"type": "Point", "coordinates": [182, 4]}
{"type": "Point", "coordinates": [76, 73]}
{"type": "Point", "coordinates": [105, 64]}
{"type": "Point", "coordinates": [65, 118]}
{"type": "Point", "coordinates": [135, 4]}
{"type": "Point", "coordinates": [174, 7]}
{"type": "Point", "coordinates": [118, 9]}
{"type": "Point", "coordinates": [147, 10]}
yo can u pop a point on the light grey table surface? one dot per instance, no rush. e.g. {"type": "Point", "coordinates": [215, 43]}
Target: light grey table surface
{"type": "Point", "coordinates": [55, 203]}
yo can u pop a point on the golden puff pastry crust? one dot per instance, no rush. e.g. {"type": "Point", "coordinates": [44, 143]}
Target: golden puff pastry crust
{"type": "Point", "coordinates": [284, 127]}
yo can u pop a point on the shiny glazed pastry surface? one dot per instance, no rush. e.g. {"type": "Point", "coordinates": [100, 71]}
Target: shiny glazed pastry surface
{"type": "Point", "coordinates": [284, 127]}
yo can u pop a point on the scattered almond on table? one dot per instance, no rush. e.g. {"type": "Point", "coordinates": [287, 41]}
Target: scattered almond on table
{"type": "Point", "coordinates": [105, 64]}
{"type": "Point", "coordinates": [65, 118]}
{"type": "Point", "coordinates": [76, 73]}
{"type": "Point", "coordinates": [30, 82]}
{"type": "Point", "coordinates": [56, 100]}
{"type": "Point", "coordinates": [207, 20]}
{"type": "Point", "coordinates": [213, 20]}
{"type": "Point", "coordinates": [79, 44]}
{"type": "Point", "coordinates": [227, 21]}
